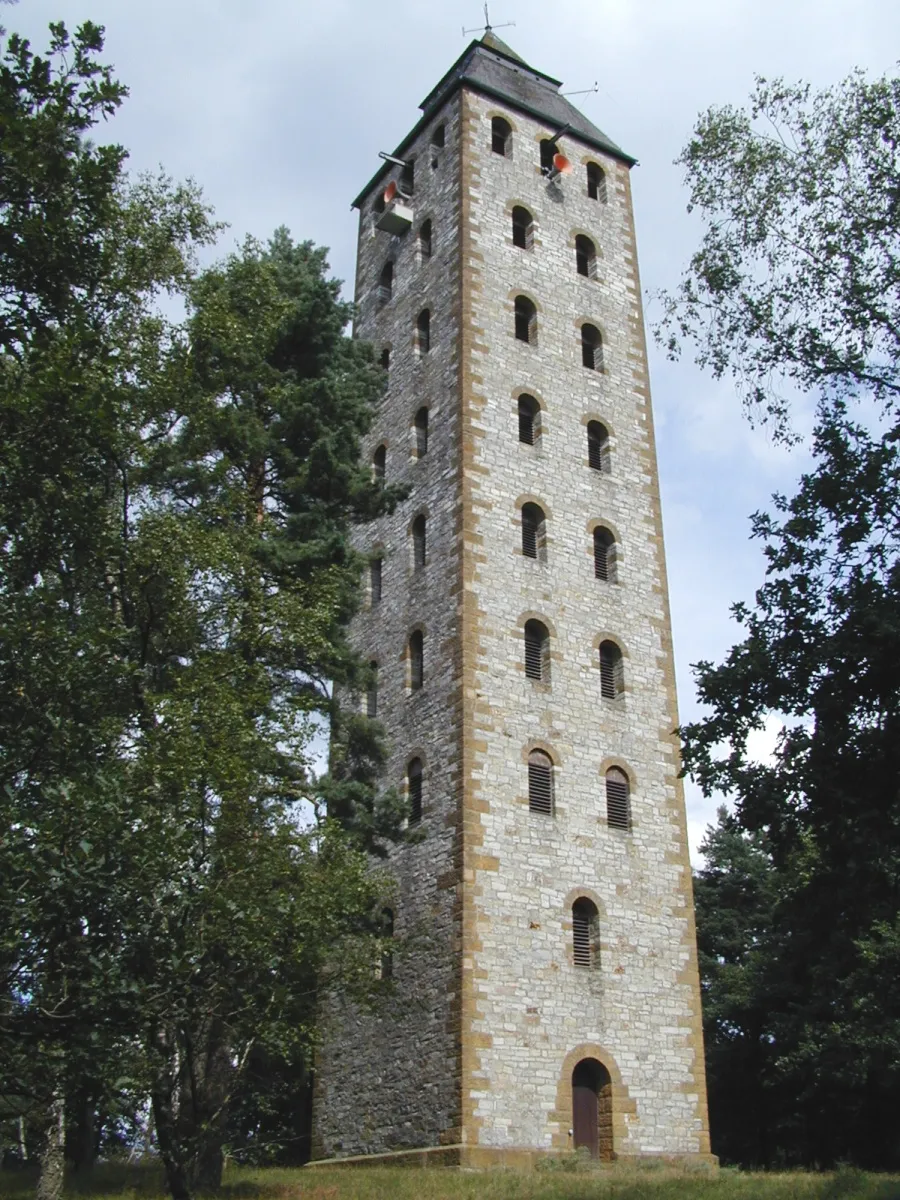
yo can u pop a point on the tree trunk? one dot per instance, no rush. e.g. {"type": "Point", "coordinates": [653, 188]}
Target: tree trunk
{"type": "Point", "coordinates": [53, 1156]}
{"type": "Point", "coordinates": [162, 1098]}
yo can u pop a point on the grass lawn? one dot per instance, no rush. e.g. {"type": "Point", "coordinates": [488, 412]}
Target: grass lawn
{"type": "Point", "coordinates": [580, 1182]}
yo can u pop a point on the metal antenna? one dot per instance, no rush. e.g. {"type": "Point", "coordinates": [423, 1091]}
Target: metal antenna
{"type": "Point", "coordinates": [487, 24]}
{"type": "Point", "coordinates": [584, 91]}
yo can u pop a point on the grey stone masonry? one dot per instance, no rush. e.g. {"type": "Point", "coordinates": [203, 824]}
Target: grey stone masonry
{"type": "Point", "coordinates": [489, 1009]}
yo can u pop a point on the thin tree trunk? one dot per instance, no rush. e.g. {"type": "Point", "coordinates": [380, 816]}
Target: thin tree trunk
{"type": "Point", "coordinates": [162, 1098]}
{"type": "Point", "coordinates": [53, 1150]}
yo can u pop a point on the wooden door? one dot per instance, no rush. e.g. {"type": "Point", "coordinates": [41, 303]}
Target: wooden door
{"type": "Point", "coordinates": [592, 1109]}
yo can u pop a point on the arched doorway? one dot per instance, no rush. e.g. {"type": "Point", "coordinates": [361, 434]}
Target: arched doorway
{"type": "Point", "coordinates": [592, 1109]}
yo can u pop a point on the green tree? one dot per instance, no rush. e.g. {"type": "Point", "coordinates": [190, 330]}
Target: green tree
{"type": "Point", "coordinates": [798, 279]}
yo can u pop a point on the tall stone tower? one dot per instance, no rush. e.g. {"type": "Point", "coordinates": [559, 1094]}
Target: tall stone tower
{"type": "Point", "coordinates": [544, 994]}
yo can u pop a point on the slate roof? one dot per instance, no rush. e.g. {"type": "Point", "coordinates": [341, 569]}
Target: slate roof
{"type": "Point", "coordinates": [489, 66]}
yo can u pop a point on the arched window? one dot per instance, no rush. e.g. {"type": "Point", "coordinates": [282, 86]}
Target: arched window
{"type": "Point", "coordinates": [591, 348]}
{"type": "Point", "coordinates": [379, 203]}
{"type": "Point", "coordinates": [522, 228]}
{"type": "Point", "coordinates": [526, 320]}
{"type": "Point", "coordinates": [618, 799]}
{"type": "Point", "coordinates": [596, 183]}
{"type": "Point", "coordinates": [385, 283]}
{"type": "Point", "coordinates": [585, 933]}
{"type": "Point", "coordinates": [612, 675]}
{"type": "Point", "coordinates": [529, 420]}
{"type": "Point", "coordinates": [420, 431]}
{"type": "Point", "coordinates": [424, 240]}
{"type": "Point", "coordinates": [407, 180]}
{"type": "Point", "coordinates": [585, 256]}
{"type": "Point", "coordinates": [379, 463]}
{"type": "Point", "coordinates": [386, 964]}
{"type": "Point", "coordinates": [386, 358]}
{"type": "Point", "coordinates": [416, 660]}
{"type": "Point", "coordinates": [437, 137]}
{"type": "Point", "coordinates": [375, 566]}
{"type": "Point", "coordinates": [501, 136]}
{"type": "Point", "coordinates": [548, 149]}
{"type": "Point", "coordinates": [418, 542]}
{"type": "Point", "coordinates": [534, 531]}
{"type": "Point", "coordinates": [592, 1124]}
{"type": "Point", "coordinates": [423, 332]}
{"type": "Point", "coordinates": [537, 651]}
{"type": "Point", "coordinates": [414, 790]}
{"type": "Point", "coordinates": [540, 783]}
{"type": "Point", "coordinates": [598, 446]}
{"type": "Point", "coordinates": [372, 692]}
{"type": "Point", "coordinates": [604, 555]}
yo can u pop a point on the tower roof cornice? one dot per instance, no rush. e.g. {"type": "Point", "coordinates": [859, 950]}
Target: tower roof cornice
{"type": "Point", "coordinates": [490, 67]}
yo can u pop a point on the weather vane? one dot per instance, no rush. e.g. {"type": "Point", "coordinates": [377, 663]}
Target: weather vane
{"type": "Point", "coordinates": [487, 24]}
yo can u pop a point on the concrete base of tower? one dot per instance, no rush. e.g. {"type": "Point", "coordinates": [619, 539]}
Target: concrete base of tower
{"type": "Point", "coordinates": [519, 1158]}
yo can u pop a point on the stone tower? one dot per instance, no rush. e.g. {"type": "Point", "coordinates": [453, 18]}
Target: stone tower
{"type": "Point", "coordinates": [544, 994]}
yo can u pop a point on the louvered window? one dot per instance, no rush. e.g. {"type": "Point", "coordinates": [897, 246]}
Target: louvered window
{"type": "Point", "coordinates": [423, 332]}
{"type": "Point", "coordinates": [375, 566]}
{"type": "Point", "coordinates": [407, 181]}
{"type": "Point", "coordinates": [418, 542]}
{"type": "Point", "coordinates": [421, 432]}
{"type": "Point", "coordinates": [416, 660]}
{"type": "Point", "coordinates": [526, 320]}
{"type": "Point", "coordinates": [379, 463]}
{"type": "Point", "coordinates": [540, 783]}
{"type": "Point", "coordinates": [414, 790]}
{"type": "Point", "coordinates": [386, 964]}
{"type": "Point", "coordinates": [596, 183]}
{"type": "Point", "coordinates": [425, 240]}
{"type": "Point", "coordinates": [533, 531]}
{"type": "Point", "coordinates": [372, 692]}
{"type": "Point", "coordinates": [529, 416]}
{"type": "Point", "coordinates": [522, 228]}
{"type": "Point", "coordinates": [386, 283]}
{"type": "Point", "coordinates": [585, 256]}
{"type": "Point", "coordinates": [618, 799]}
{"type": "Point", "coordinates": [598, 446]}
{"type": "Point", "coordinates": [585, 933]}
{"type": "Point", "coordinates": [611, 671]}
{"type": "Point", "coordinates": [604, 555]}
{"type": "Point", "coordinates": [591, 348]}
{"type": "Point", "coordinates": [501, 136]}
{"type": "Point", "coordinates": [537, 651]}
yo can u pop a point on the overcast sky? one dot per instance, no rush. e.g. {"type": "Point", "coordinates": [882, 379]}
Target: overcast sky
{"type": "Point", "coordinates": [278, 109]}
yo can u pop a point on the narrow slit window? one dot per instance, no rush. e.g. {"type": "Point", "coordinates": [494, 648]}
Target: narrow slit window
{"type": "Point", "coordinates": [526, 320]}
{"type": "Point", "coordinates": [418, 543]}
{"type": "Point", "coordinates": [501, 137]}
{"type": "Point", "coordinates": [540, 783]}
{"type": "Point", "coordinates": [529, 420]}
{"type": "Point", "coordinates": [522, 228]}
{"type": "Point", "coordinates": [385, 283]}
{"type": "Point", "coordinates": [423, 332]}
{"type": "Point", "coordinates": [612, 680]}
{"type": "Point", "coordinates": [537, 651]}
{"type": "Point", "coordinates": [425, 241]}
{"type": "Point", "coordinates": [420, 430]}
{"type": "Point", "coordinates": [438, 136]}
{"type": "Point", "coordinates": [372, 692]}
{"type": "Point", "coordinates": [407, 181]}
{"type": "Point", "coordinates": [585, 257]}
{"type": "Point", "coordinates": [414, 790]}
{"type": "Point", "coordinates": [591, 348]}
{"type": "Point", "coordinates": [618, 799]}
{"type": "Point", "coordinates": [604, 555]}
{"type": "Point", "coordinates": [379, 463]}
{"type": "Point", "coordinates": [386, 358]}
{"type": "Point", "coordinates": [386, 963]}
{"type": "Point", "coordinates": [598, 447]}
{"type": "Point", "coordinates": [534, 531]}
{"type": "Point", "coordinates": [585, 933]}
{"type": "Point", "coordinates": [375, 575]}
{"type": "Point", "coordinates": [416, 660]}
{"type": "Point", "coordinates": [548, 149]}
{"type": "Point", "coordinates": [596, 183]}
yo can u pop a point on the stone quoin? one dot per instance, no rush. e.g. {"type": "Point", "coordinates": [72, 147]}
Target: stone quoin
{"type": "Point", "coordinates": [545, 992]}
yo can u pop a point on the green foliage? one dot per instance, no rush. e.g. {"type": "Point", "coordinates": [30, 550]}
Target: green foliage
{"type": "Point", "coordinates": [798, 278]}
